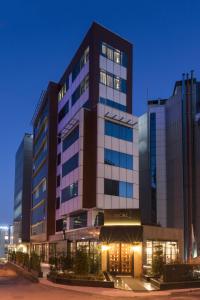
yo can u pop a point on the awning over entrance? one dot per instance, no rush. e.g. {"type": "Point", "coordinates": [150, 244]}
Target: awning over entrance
{"type": "Point", "coordinates": [125, 234]}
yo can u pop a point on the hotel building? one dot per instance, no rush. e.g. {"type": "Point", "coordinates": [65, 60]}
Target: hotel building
{"type": "Point", "coordinates": [85, 187]}
{"type": "Point", "coordinates": [97, 198]}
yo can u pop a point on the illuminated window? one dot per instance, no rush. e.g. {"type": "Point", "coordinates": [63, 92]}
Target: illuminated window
{"type": "Point", "coordinates": [110, 53]}
{"type": "Point", "coordinates": [113, 54]}
{"type": "Point", "coordinates": [117, 56]}
{"type": "Point", "coordinates": [109, 80]}
{"type": "Point", "coordinates": [103, 77]}
{"type": "Point", "coordinates": [117, 83]}
{"type": "Point", "coordinates": [113, 81]}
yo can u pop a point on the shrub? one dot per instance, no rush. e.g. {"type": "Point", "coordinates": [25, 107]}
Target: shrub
{"type": "Point", "coordinates": [81, 262]}
{"type": "Point", "coordinates": [65, 262]}
{"type": "Point", "coordinates": [95, 265]}
{"type": "Point", "coordinates": [35, 262]}
{"type": "Point", "coordinates": [26, 261]}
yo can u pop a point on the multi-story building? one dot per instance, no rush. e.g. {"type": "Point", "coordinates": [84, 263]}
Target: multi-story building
{"type": "Point", "coordinates": [152, 164]}
{"type": "Point", "coordinates": [174, 125]}
{"type": "Point", "coordinates": [22, 195]}
{"type": "Point", "coordinates": [98, 156]}
{"type": "Point", "coordinates": [182, 124]}
{"type": "Point", "coordinates": [44, 170]}
{"type": "Point", "coordinates": [85, 180]}
{"type": "Point", "coordinates": [97, 196]}
{"type": "Point", "coordinates": [4, 241]}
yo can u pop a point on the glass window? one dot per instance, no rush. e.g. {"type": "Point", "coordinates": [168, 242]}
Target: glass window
{"type": "Point", "coordinates": [129, 190]}
{"type": "Point", "coordinates": [70, 192]}
{"type": "Point", "coordinates": [116, 83]}
{"type": "Point", "coordinates": [80, 89]}
{"type": "Point", "coordinates": [112, 103]}
{"type": "Point", "coordinates": [124, 59]}
{"type": "Point", "coordinates": [38, 214]}
{"type": "Point", "coordinates": [118, 131]}
{"type": "Point", "coordinates": [70, 165]}
{"type": "Point", "coordinates": [103, 77]}
{"type": "Point", "coordinates": [123, 86]}
{"type": "Point", "coordinates": [113, 81]}
{"type": "Point", "coordinates": [59, 225]}
{"type": "Point", "coordinates": [109, 53]}
{"type": "Point", "coordinates": [44, 186]}
{"type": "Point", "coordinates": [117, 56]}
{"type": "Point", "coordinates": [113, 54]}
{"type": "Point", "coordinates": [63, 112]}
{"type": "Point", "coordinates": [118, 159]}
{"type": "Point", "coordinates": [71, 138]}
{"type": "Point", "coordinates": [78, 220]}
{"type": "Point", "coordinates": [118, 188]}
{"type": "Point", "coordinates": [103, 49]}
{"type": "Point", "coordinates": [122, 189]}
{"type": "Point", "coordinates": [109, 80]}
{"type": "Point", "coordinates": [80, 64]}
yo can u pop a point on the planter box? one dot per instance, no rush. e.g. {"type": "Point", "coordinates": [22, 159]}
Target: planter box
{"type": "Point", "coordinates": [175, 285]}
{"type": "Point", "coordinates": [81, 282]}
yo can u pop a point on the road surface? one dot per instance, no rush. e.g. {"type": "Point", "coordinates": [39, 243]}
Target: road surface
{"type": "Point", "coordinates": [13, 286]}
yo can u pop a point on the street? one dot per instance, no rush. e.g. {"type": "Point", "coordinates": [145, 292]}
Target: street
{"type": "Point", "coordinates": [13, 286]}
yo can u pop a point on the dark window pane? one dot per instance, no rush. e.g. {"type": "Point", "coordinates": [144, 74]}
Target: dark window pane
{"type": "Point", "coordinates": [78, 220]}
{"type": "Point", "coordinates": [118, 188]}
{"type": "Point", "coordinates": [70, 165]}
{"type": "Point", "coordinates": [70, 192]}
{"type": "Point", "coordinates": [118, 131]}
{"type": "Point", "coordinates": [59, 225]}
{"type": "Point", "coordinates": [71, 138]}
{"type": "Point", "coordinates": [63, 112]}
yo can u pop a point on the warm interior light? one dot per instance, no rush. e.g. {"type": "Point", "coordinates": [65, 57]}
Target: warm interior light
{"type": "Point", "coordinates": [104, 247]}
{"type": "Point", "coordinates": [136, 248]}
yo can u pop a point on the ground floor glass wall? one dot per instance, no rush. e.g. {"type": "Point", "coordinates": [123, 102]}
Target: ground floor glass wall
{"type": "Point", "coordinates": [169, 249]}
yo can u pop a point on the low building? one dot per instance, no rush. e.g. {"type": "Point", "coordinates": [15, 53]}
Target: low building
{"type": "Point", "coordinates": [4, 241]}
{"type": "Point", "coordinates": [22, 194]}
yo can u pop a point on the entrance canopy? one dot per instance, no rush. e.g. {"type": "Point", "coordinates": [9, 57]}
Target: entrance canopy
{"type": "Point", "coordinates": [124, 234]}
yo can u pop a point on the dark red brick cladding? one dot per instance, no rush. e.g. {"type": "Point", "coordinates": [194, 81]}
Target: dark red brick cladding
{"type": "Point", "coordinates": [89, 159]}
{"type": "Point", "coordinates": [52, 157]}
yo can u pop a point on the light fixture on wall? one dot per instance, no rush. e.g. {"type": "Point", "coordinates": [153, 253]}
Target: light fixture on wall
{"type": "Point", "coordinates": [105, 247]}
{"type": "Point", "coordinates": [136, 247]}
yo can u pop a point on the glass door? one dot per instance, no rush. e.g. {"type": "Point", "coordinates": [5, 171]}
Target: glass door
{"type": "Point", "coordinates": [120, 259]}
{"type": "Point", "coordinates": [114, 258]}
{"type": "Point", "coordinates": [126, 259]}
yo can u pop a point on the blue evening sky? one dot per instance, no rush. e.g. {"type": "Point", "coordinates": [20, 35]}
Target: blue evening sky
{"type": "Point", "coordinates": [38, 39]}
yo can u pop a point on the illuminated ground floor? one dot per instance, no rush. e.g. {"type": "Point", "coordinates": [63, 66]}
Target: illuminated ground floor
{"type": "Point", "coordinates": [122, 250]}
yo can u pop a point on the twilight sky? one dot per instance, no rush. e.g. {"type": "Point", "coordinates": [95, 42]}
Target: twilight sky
{"type": "Point", "coordinates": [38, 39]}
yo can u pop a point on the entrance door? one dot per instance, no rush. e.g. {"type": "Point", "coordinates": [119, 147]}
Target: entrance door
{"type": "Point", "coordinates": [120, 259]}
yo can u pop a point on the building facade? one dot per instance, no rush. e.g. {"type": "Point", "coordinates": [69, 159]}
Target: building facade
{"type": "Point", "coordinates": [152, 164]}
{"type": "Point", "coordinates": [22, 194]}
{"type": "Point", "coordinates": [4, 241]}
{"type": "Point", "coordinates": [182, 115]}
{"type": "Point", "coordinates": [177, 164]}
{"type": "Point", "coordinates": [85, 178]}
{"type": "Point", "coordinates": [44, 170]}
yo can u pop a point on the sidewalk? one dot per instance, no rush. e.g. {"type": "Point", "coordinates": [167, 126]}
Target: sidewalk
{"type": "Point", "coordinates": [113, 292]}
{"type": "Point", "coordinates": [105, 291]}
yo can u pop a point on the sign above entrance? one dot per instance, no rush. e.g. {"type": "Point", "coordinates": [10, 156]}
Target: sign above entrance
{"type": "Point", "coordinates": [122, 217]}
